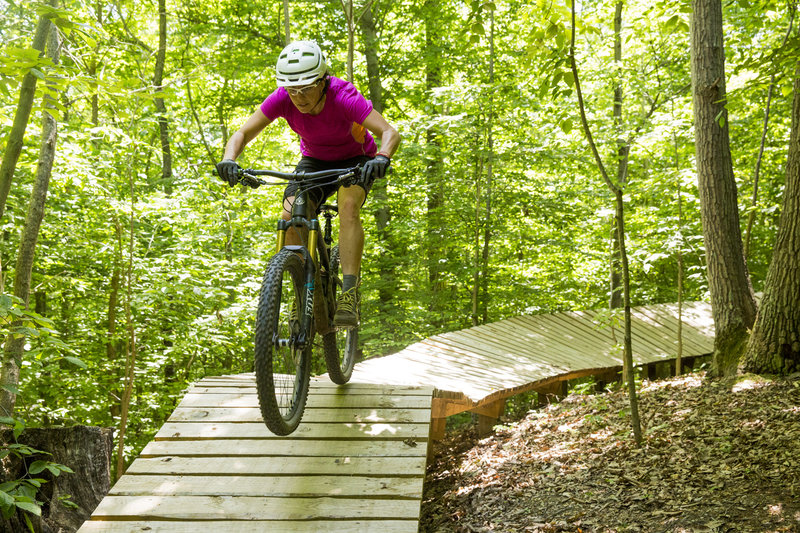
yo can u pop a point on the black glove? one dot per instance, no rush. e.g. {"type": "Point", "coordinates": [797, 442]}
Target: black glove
{"type": "Point", "coordinates": [375, 168]}
{"type": "Point", "coordinates": [228, 170]}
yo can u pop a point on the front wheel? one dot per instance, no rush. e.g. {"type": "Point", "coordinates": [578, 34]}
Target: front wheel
{"type": "Point", "coordinates": [339, 345]}
{"type": "Point", "coordinates": [282, 368]}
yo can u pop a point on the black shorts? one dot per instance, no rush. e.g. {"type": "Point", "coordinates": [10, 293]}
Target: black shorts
{"type": "Point", "coordinates": [320, 194]}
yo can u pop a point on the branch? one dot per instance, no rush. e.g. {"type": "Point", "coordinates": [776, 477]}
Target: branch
{"type": "Point", "coordinates": [582, 108]}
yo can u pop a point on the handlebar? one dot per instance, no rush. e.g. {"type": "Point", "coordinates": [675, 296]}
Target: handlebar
{"type": "Point", "coordinates": [344, 176]}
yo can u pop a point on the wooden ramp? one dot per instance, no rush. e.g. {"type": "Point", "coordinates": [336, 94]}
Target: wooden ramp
{"type": "Point", "coordinates": [355, 464]}
{"type": "Point", "coordinates": [477, 369]}
{"type": "Point", "coordinates": [357, 461]}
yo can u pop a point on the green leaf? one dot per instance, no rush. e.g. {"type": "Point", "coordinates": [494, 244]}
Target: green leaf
{"type": "Point", "coordinates": [75, 361]}
{"type": "Point", "coordinates": [37, 467]}
{"type": "Point", "coordinates": [38, 73]}
{"type": "Point", "coordinates": [30, 507]}
{"type": "Point", "coordinates": [6, 499]}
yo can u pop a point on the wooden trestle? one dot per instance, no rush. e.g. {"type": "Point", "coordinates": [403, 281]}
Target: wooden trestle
{"type": "Point", "coordinates": [357, 461]}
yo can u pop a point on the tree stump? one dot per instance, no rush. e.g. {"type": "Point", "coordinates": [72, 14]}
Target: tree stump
{"type": "Point", "coordinates": [86, 450]}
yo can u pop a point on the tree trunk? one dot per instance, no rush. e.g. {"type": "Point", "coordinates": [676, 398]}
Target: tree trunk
{"type": "Point", "coordinates": [679, 354]}
{"type": "Point", "coordinates": [620, 226]}
{"type": "Point", "coordinates": [487, 228]}
{"type": "Point", "coordinates": [775, 344]}
{"type": "Point", "coordinates": [13, 349]}
{"type": "Point", "coordinates": [732, 299]}
{"type": "Point", "coordinates": [433, 172]}
{"type": "Point", "coordinates": [86, 450]}
{"type": "Point", "coordinates": [751, 216]}
{"type": "Point", "coordinates": [131, 349]}
{"type": "Point", "coordinates": [615, 277]}
{"type": "Point", "coordinates": [287, 23]}
{"type": "Point", "coordinates": [161, 108]}
{"type": "Point", "coordinates": [383, 213]}
{"type": "Point", "coordinates": [27, 92]}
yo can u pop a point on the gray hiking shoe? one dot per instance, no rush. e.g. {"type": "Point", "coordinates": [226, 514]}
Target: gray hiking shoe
{"type": "Point", "coordinates": [347, 309]}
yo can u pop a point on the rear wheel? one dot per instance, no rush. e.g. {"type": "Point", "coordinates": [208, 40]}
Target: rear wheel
{"type": "Point", "coordinates": [340, 345]}
{"type": "Point", "coordinates": [282, 369]}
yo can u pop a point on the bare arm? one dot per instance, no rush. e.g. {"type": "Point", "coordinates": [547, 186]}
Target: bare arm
{"type": "Point", "coordinates": [382, 130]}
{"type": "Point", "coordinates": [257, 122]}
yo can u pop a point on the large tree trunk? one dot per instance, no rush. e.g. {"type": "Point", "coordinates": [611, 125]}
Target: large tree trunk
{"type": "Point", "coordinates": [23, 112]}
{"type": "Point", "coordinates": [85, 450]}
{"type": "Point", "coordinates": [775, 344]}
{"type": "Point", "coordinates": [161, 108]}
{"type": "Point", "coordinates": [13, 349]}
{"type": "Point", "coordinates": [732, 299]}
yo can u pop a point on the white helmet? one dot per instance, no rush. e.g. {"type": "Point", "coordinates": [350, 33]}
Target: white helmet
{"type": "Point", "coordinates": [300, 63]}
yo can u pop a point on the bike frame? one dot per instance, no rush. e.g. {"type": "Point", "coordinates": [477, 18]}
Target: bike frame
{"type": "Point", "coordinates": [315, 252]}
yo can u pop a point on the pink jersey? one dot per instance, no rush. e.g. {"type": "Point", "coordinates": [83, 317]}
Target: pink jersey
{"type": "Point", "coordinates": [335, 134]}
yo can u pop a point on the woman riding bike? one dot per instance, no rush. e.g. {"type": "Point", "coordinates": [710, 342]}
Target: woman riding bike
{"type": "Point", "coordinates": [336, 125]}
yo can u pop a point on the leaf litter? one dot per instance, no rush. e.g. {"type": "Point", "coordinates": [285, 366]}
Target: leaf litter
{"type": "Point", "coordinates": [719, 456]}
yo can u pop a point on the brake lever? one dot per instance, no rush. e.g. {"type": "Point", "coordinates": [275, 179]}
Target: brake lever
{"type": "Point", "coordinates": [251, 181]}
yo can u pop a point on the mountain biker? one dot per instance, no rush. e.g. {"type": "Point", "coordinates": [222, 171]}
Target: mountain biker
{"type": "Point", "coordinates": [336, 125]}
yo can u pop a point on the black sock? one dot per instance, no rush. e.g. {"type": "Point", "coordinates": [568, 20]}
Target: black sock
{"type": "Point", "coordinates": [349, 281]}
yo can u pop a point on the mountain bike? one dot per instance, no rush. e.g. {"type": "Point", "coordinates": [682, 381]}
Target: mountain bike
{"type": "Point", "coordinates": [298, 300]}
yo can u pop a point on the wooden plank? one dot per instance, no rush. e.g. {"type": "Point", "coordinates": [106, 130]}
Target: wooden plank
{"type": "Point", "coordinates": [403, 367]}
{"type": "Point", "coordinates": [553, 339]}
{"type": "Point", "coordinates": [197, 430]}
{"type": "Point", "coordinates": [464, 346]}
{"type": "Point", "coordinates": [243, 465]}
{"type": "Point", "coordinates": [453, 364]}
{"type": "Point", "coordinates": [251, 526]}
{"type": "Point", "coordinates": [492, 346]}
{"type": "Point", "coordinates": [547, 327]}
{"type": "Point", "coordinates": [321, 387]}
{"type": "Point", "coordinates": [596, 338]}
{"type": "Point", "coordinates": [253, 414]}
{"type": "Point", "coordinates": [311, 485]}
{"type": "Point", "coordinates": [532, 341]}
{"type": "Point", "coordinates": [315, 400]}
{"type": "Point", "coordinates": [644, 349]}
{"type": "Point", "coordinates": [252, 508]}
{"type": "Point", "coordinates": [525, 340]}
{"type": "Point", "coordinates": [298, 448]}
{"type": "Point", "coordinates": [444, 382]}
{"type": "Point", "coordinates": [694, 341]}
{"type": "Point", "coordinates": [583, 334]}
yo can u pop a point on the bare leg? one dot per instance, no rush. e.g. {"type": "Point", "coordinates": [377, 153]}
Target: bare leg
{"type": "Point", "coordinates": [351, 233]}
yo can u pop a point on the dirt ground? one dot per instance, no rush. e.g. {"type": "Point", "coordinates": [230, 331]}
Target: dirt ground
{"type": "Point", "coordinates": [717, 456]}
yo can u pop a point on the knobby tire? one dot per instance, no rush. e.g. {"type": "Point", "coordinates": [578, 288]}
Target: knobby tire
{"type": "Point", "coordinates": [340, 346]}
{"type": "Point", "coordinates": [282, 372]}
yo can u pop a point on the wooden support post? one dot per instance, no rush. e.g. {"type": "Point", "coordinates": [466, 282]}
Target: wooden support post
{"type": "Point", "coordinates": [604, 378]}
{"type": "Point", "coordinates": [438, 426]}
{"type": "Point", "coordinates": [488, 416]}
{"type": "Point", "coordinates": [551, 392]}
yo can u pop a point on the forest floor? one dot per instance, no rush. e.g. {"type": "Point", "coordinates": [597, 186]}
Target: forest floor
{"type": "Point", "coordinates": [718, 456]}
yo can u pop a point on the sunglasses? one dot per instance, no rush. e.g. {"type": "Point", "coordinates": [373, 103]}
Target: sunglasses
{"type": "Point", "coordinates": [304, 91]}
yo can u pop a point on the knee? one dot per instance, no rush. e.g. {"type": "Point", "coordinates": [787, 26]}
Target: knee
{"type": "Point", "coordinates": [349, 208]}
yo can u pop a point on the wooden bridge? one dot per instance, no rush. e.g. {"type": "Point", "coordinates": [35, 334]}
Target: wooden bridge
{"type": "Point", "coordinates": [357, 462]}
